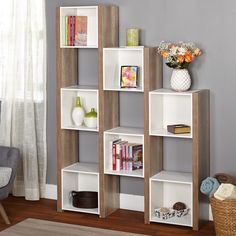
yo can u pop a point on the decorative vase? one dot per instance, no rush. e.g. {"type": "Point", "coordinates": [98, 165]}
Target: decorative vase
{"type": "Point", "coordinates": [90, 119]}
{"type": "Point", "coordinates": [78, 113]}
{"type": "Point", "coordinates": [132, 37]}
{"type": "Point", "coordinates": [180, 80]}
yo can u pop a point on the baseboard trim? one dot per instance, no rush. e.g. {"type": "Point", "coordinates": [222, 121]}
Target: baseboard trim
{"type": "Point", "coordinates": [51, 191]}
{"type": "Point", "coordinates": [131, 202]}
{"type": "Point", "coordinates": [127, 201]}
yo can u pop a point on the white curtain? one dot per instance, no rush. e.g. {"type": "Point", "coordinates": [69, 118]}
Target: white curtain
{"type": "Point", "coordinates": [23, 91]}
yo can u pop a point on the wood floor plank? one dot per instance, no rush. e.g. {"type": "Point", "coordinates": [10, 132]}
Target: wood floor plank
{"type": "Point", "coordinates": [129, 221]}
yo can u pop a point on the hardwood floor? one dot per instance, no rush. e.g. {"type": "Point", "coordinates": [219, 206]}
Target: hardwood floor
{"type": "Point", "coordinates": [18, 209]}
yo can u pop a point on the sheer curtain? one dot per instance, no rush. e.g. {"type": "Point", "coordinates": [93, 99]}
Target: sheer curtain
{"type": "Point", "coordinates": [23, 91]}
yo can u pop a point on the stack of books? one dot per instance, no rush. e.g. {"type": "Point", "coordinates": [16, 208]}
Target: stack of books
{"type": "Point", "coordinates": [75, 30]}
{"type": "Point", "coordinates": [126, 156]}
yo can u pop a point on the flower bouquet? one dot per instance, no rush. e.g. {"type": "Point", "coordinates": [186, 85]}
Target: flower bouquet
{"type": "Point", "coordinates": [178, 55]}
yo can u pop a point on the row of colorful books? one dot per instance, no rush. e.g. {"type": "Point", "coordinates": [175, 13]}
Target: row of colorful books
{"type": "Point", "coordinates": [75, 30]}
{"type": "Point", "coordinates": [126, 156]}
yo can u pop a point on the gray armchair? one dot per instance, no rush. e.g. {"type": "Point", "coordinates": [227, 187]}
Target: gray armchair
{"type": "Point", "coordinates": [9, 161]}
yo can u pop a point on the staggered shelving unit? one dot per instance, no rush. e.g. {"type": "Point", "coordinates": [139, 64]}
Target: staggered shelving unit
{"type": "Point", "coordinates": [161, 107]}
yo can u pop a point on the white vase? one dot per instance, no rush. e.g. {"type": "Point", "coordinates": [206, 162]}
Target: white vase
{"type": "Point", "coordinates": [180, 80]}
{"type": "Point", "coordinates": [78, 113]}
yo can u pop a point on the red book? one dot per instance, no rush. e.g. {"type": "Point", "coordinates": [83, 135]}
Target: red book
{"type": "Point", "coordinates": [113, 156]}
{"type": "Point", "coordinates": [114, 153]}
{"type": "Point", "coordinates": [122, 154]}
{"type": "Point", "coordinates": [71, 30]}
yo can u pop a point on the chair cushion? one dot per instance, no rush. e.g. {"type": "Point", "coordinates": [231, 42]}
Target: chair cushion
{"type": "Point", "coordinates": [5, 175]}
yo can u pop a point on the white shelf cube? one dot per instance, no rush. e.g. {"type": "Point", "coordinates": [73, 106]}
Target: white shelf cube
{"type": "Point", "coordinates": [92, 31]}
{"type": "Point", "coordinates": [167, 107]}
{"type": "Point", "coordinates": [132, 135]}
{"type": "Point", "coordinates": [114, 58]}
{"type": "Point", "coordinates": [89, 99]}
{"type": "Point", "coordinates": [79, 177]}
{"type": "Point", "coordinates": [167, 188]}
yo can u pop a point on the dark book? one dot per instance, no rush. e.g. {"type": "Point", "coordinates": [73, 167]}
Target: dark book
{"type": "Point", "coordinates": [178, 129]}
{"type": "Point", "coordinates": [136, 153]}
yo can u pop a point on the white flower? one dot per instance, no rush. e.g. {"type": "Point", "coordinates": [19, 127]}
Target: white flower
{"type": "Point", "coordinates": [174, 50]}
{"type": "Point", "coordinates": [182, 51]}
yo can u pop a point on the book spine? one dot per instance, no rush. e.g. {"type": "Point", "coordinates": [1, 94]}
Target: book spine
{"type": "Point", "coordinates": [127, 157]}
{"type": "Point", "coordinates": [124, 156]}
{"type": "Point", "coordinates": [65, 30]}
{"type": "Point", "coordinates": [71, 31]}
{"type": "Point", "coordinates": [68, 30]}
{"type": "Point", "coordinates": [118, 157]}
{"type": "Point", "coordinates": [113, 156]}
{"type": "Point", "coordinates": [130, 158]}
{"type": "Point", "coordinates": [121, 157]}
{"type": "Point", "coordinates": [73, 35]}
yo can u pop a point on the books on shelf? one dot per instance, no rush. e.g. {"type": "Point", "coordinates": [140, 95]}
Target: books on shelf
{"type": "Point", "coordinates": [126, 156]}
{"type": "Point", "coordinates": [75, 30]}
{"type": "Point", "coordinates": [178, 129]}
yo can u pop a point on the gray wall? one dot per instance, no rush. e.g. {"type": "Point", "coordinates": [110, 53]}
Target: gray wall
{"type": "Point", "coordinates": [211, 24]}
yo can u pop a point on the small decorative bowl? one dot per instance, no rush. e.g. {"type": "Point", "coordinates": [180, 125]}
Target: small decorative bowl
{"type": "Point", "coordinates": [164, 215]}
{"type": "Point", "coordinates": [90, 122]}
{"type": "Point", "coordinates": [90, 119]}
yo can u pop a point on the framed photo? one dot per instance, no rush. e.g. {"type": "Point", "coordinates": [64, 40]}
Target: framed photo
{"type": "Point", "coordinates": [129, 77]}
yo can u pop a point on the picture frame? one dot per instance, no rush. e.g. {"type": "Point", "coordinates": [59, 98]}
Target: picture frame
{"type": "Point", "coordinates": [129, 76]}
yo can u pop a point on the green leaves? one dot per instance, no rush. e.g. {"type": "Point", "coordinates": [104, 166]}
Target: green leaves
{"type": "Point", "coordinates": [183, 65]}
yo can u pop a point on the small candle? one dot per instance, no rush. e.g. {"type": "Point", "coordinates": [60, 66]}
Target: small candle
{"type": "Point", "coordinates": [132, 37]}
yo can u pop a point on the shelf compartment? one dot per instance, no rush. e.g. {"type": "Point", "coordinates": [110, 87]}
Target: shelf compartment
{"type": "Point", "coordinates": [114, 58]}
{"type": "Point", "coordinates": [130, 134]}
{"type": "Point", "coordinates": [167, 107]}
{"type": "Point", "coordinates": [167, 188]}
{"type": "Point", "coordinates": [79, 177]}
{"type": "Point", "coordinates": [89, 99]}
{"type": "Point", "coordinates": [92, 31]}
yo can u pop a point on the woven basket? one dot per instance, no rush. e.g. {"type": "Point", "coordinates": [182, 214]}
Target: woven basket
{"type": "Point", "coordinates": [224, 215]}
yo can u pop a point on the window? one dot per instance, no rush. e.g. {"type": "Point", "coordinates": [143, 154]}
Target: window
{"type": "Point", "coordinates": [22, 54]}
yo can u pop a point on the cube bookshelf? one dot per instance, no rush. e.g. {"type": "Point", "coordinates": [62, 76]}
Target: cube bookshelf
{"type": "Point", "coordinates": [89, 99]}
{"type": "Point", "coordinates": [132, 135]}
{"type": "Point", "coordinates": [114, 58]}
{"type": "Point", "coordinates": [92, 31]}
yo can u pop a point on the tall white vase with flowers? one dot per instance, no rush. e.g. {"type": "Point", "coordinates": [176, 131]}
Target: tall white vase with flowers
{"type": "Point", "coordinates": [178, 56]}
